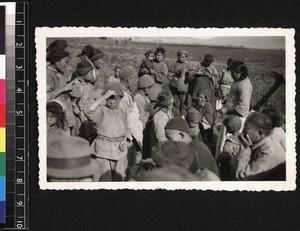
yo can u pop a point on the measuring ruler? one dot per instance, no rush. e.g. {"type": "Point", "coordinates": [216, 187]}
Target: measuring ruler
{"type": "Point", "coordinates": [17, 177]}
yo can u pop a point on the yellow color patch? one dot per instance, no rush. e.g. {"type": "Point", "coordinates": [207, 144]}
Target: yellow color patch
{"type": "Point", "coordinates": [2, 140]}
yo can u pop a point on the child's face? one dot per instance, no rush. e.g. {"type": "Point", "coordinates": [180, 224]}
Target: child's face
{"type": "Point", "coordinates": [62, 64]}
{"type": "Point", "coordinates": [51, 119]}
{"type": "Point", "coordinates": [98, 63]}
{"type": "Point", "coordinates": [113, 102]}
{"type": "Point", "coordinates": [159, 57]}
{"type": "Point", "coordinates": [151, 57]}
{"type": "Point", "coordinates": [193, 124]}
{"type": "Point", "coordinates": [235, 75]}
{"type": "Point", "coordinates": [117, 72]}
{"type": "Point", "coordinates": [202, 99]}
{"type": "Point", "coordinates": [182, 58]}
{"type": "Point", "coordinates": [252, 131]}
{"type": "Point", "coordinates": [173, 135]}
{"type": "Point", "coordinates": [89, 76]}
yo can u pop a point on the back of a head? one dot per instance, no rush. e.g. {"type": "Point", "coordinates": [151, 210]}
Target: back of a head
{"type": "Point", "coordinates": [174, 154]}
{"type": "Point", "coordinates": [232, 123]}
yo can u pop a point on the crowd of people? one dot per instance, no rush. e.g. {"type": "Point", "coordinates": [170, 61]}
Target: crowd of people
{"type": "Point", "coordinates": [183, 123]}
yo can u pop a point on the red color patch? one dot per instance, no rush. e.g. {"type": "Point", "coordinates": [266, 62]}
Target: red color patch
{"type": "Point", "coordinates": [2, 116]}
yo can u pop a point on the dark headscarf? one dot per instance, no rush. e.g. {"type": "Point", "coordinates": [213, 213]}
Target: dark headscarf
{"type": "Point", "coordinates": [56, 56]}
{"type": "Point", "coordinates": [176, 154]}
{"type": "Point", "coordinates": [239, 67]}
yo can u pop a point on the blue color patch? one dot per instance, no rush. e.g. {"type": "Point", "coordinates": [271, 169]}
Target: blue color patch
{"type": "Point", "coordinates": [2, 188]}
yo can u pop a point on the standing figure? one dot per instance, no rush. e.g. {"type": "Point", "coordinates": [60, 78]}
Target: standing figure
{"type": "Point", "coordinates": [110, 147]}
{"type": "Point", "coordinates": [178, 82]}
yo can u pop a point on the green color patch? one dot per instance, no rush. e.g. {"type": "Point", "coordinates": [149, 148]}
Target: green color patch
{"type": "Point", "coordinates": [2, 164]}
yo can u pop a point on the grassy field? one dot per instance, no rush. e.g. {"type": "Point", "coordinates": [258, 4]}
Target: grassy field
{"type": "Point", "coordinates": [259, 62]}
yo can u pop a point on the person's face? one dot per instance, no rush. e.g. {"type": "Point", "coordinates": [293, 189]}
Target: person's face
{"type": "Point", "coordinates": [98, 63]}
{"type": "Point", "coordinates": [113, 102]}
{"type": "Point", "coordinates": [202, 99]}
{"type": "Point", "coordinates": [62, 64]}
{"type": "Point", "coordinates": [151, 57]}
{"type": "Point", "coordinates": [252, 131]}
{"type": "Point", "coordinates": [182, 58]}
{"type": "Point", "coordinates": [89, 76]}
{"type": "Point", "coordinates": [173, 135]}
{"type": "Point", "coordinates": [159, 57]}
{"type": "Point", "coordinates": [206, 63]}
{"type": "Point", "coordinates": [193, 124]}
{"type": "Point", "coordinates": [235, 75]}
{"type": "Point", "coordinates": [117, 72]}
{"type": "Point", "coordinates": [51, 119]}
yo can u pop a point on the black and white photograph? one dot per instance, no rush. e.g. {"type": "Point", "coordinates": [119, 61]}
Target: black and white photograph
{"type": "Point", "coordinates": [166, 108]}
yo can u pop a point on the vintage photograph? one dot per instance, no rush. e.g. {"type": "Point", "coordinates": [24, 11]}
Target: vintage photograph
{"type": "Point", "coordinates": [166, 108]}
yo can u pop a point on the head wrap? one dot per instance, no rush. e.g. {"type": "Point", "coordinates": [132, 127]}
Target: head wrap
{"type": "Point", "coordinates": [260, 120]}
{"type": "Point", "coordinates": [56, 56]}
{"type": "Point", "coordinates": [126, 72]}
{"type": "Point", "coordinates": [160, 50]}
{"type": "Point", "coordinates": [239, 67]}
{"type": "Point", "coordinates": [233, 123]}
{"type": "Point", "coordinates": [95, 55]}
{"type": "Point", "coordinates": [145, 81]}
{"type": "Point", "coordinates": [182, 52]}
{"type": "Point", "coordinates": [178, 154]}
{"type": "Point", "coordinates": [230, 61]}
{"type": "Point", "coordinates": [57, 45]}
{"type": "Point", "coordinates": [177, 123]}
{"type": "Point", "coordinates": [59, 103]}
{"type": "Point", "coordinates": [209, 58]}
{"type": "Point", "coordinates": [84, 67]}
{"type": "Point", "coordinates": [194, 115]}
{"type": "Point", "coordinates": [148, 52]}
{"type": "Point", "coordinates": [86, 50]}
{"type": "Point", "coordinates": [116, 87]}
{"type": "Point", "coordinates": [164, 99]}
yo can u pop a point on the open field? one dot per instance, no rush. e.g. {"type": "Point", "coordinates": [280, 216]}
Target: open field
{"type": "Point", "coordinates": [259, 62]}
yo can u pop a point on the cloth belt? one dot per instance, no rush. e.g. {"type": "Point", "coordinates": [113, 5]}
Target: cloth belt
{"type": "Point", "coordinates": [115, 139]}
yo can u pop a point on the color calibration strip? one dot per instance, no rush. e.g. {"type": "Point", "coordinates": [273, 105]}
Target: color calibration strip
{"type": "Point", "coordinates": [2, 117]}
{"type": "Point", "coordinates": [14, 95]}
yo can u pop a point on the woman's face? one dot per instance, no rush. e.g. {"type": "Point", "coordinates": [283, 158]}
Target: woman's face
{"type": "Point", "coordinates": [98, 63]}
{"type": "Point", "coordinates": [51, 119]}
{"type": "Point", "coordinates": [89, 76]}
{"type": "Point", "coordinates": [192, 124]}
{"type": "Point", "coordinates": [202, 99]}
{"type": "Point", "coordinates": [159, 57]}
{"type": "Point", "coordinates": [113, 102]}
{"type": "Point", "coordinates": [62, 64]}
{"type": "Point", "coordinates": [182, 58]}
{"type": "Point", "coordinates": [235, 75]}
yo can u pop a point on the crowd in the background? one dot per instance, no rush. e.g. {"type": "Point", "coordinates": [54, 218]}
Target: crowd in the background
{"type": "Point", "coordinates": [183, 123]}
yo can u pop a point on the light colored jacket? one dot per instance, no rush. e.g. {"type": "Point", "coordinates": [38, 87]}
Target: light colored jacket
{"type": "Point", "coordinates": [261, 157]}
{"type": "Point", "coordinates": [160, 120]}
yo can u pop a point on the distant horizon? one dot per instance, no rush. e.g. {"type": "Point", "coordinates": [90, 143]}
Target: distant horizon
{"type": "Point", "coordinates": [263, 42]}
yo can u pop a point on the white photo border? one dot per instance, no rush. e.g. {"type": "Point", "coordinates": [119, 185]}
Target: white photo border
{"type": "Point", "coordinates": [42, 33]}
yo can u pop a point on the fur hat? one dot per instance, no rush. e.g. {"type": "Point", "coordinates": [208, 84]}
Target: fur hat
{"type": "Point", "coordinates": [182, 52]}
{"type": "Point", "coordinates": [209, 58]}
{"type": "Point", "coordinates": [126, 72]}
{"type": "Point", "coordinates": [116, 87]}
{"type": "Point", "coordinates": [177, 123]}
{"type": "Point", "coordinates": [84, 67]}
{"type": "Point", "coordinates": [70, 158]}
{"type": "Point", "coordinates": [164, 99]}
{"type": "Point", "coordinates": [145, 81]}
{"type": "Point", "coordinates": [56, 56]}
{"type": "Point", "coordinates": [232, 123]}
{"type": "Point", "coordinates": [260, 120]}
